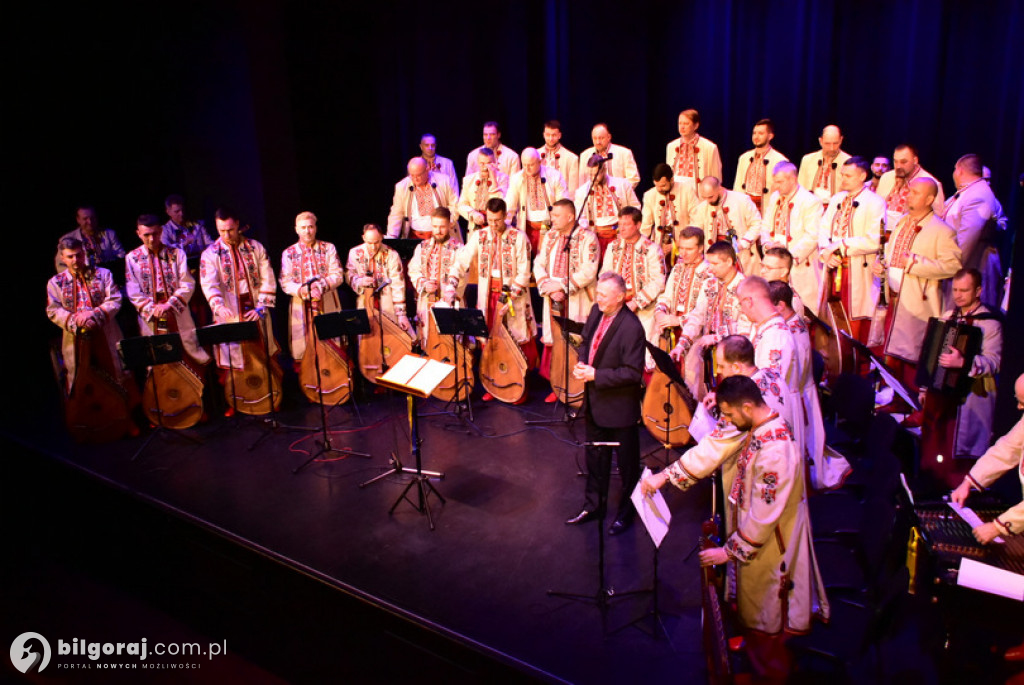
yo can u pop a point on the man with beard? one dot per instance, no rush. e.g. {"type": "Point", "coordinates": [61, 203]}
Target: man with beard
{"type": "Point", "coordinates": [754, 168]}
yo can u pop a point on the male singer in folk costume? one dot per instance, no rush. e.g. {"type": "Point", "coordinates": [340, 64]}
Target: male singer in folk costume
{"type": "Point", "coordinates": [684, 282]}
{"type": "Point", "coordinates": [773, 572]}
{"type": "Point", "coordinates": [920, 254]}
{"type": "Point", "coordinates": [725, 215]}
{"type": "Point", "coordinates": [621, 163]}
{"type": "Point", "coordinates": [416, 196]}
{"type": "Point", "coordinates": [504, 156]}
{"type": "Point", "coordinates": [641, 263]}
{"type": "Point", "coordinates": [691, 155]}
{"type": "Point", "coordinates": [754, 168]}
{"type": "Point", "coordinates": [373, 267]}
{"type": "Point", "coordinates": [190, 236]}
{"type": "Point", "coordinates": [601, 213]}
{"type": "Point", "coordinates": [429, 268]}
{"type": "Point", "coordinates": [962, 431]}
{"type": "Point", "coordinates": [531, 195]}
{"type": "Point", "coordinates": [566, 273]}
{"type": "Point", "coordinates": [502, 255]}
{"type": "Point", "coordinates": [666, 209]}
{"type": "Point", "coordinates": [100, 244]}
{"type": "Point", "coordinates": [160, 285]}
{"type": "Point", "coordinates": [85, 299]}
{"type": "Point", "coordinates": [437, 163]}
{"type": "Point", "coordinates": [791, 218]}
{"type": "Point", "coordinates": [848, 238]}
{"type": "Point", "coordinates": [310, 271]}
{"type": "Point", "coordinates": [488, 181]}
{"type": "Point", "coordinates": [894, 185]}
{"type": "Point", "coordinates": [820, 170]}
{"type": "Point", "coordinates": [555, 156]}
{"type": "Point", "coordinates": [238, 281]}
{"type": "Point", "coordinates": [777, 265]}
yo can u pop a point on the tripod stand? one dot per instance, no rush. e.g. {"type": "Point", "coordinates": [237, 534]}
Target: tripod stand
{"type": "Point", "coordinates": [460, 322]}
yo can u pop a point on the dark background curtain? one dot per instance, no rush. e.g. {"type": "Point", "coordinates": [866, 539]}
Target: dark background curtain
{"type": "Point", "coordinates": [275, 107]}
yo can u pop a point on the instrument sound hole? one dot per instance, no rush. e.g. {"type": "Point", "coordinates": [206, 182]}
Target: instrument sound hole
{"type": "Point", "coordinates": [387, 351]}
{"type": "Point", "coordinates": [503, 367]}
{"type": "Point", "coordinates": [326, 373]}
{"type": "Point", "coordinates": [668, 408]}
{"type": "Point", "coordinates": [174, 394]}
{"type": "Point", "coordinates": [253, 381]}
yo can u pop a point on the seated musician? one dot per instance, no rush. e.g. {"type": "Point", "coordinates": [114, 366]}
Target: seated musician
{"type": "Point", "coordinates": [160, 286]}
{"type": "Point", "coordinates": [566, 274]}
{"type": "Point", "coordinates": [238, 281]}
{"type": "Point", "coordinates": [373, 266]}
{"type": "Point", "coordinates": [774, 577]}
{"type": "Point", "coordinates": [100, 244]}
{"type": "Point", "coordinates": [961, 432]}
{"type": "Point", "coordinates": [190, 236]}
{"type": "Point", "coordinates": [310, 270]}
{"type": "Point", "coordinates": [85, 299]}
{"type": "Point", "coordinates": [502, 256]}
{"type": "Point", "coordinates": [429, 267]}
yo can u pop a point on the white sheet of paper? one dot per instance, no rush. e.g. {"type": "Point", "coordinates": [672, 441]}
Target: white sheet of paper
{"type": "Point", "coordinates": [995, 581]}
{"type": "Point", "coordinates": [702, 422]}
{"type": "Point", "coordinates": [971, 518]}
{"type": "Point", "coordinates": [653, 511]}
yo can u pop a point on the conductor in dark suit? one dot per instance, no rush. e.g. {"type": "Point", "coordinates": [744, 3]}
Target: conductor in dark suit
{"type": "Point", "coordinates": [611, 363]}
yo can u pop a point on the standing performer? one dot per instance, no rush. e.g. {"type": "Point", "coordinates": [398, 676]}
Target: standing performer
{"type": "Point", "coordinates": [666, 209]}
{"type": "Point", "coordinates": [690, 155]}
{"type": "Point", "coordinates": [641, 264]}
{"type": "Point", "coordinates": [777, 265]}
{"type": "Point", "coordinates": [962, 431]}
{"type": "Point", "coordinates": [848, 239]}
{"type": "Point", "coordinates": [754, 168]}
{"type": "Point", "coordinates": [101, 245]}
{"type": "Point", "coordinates": [555, 156]}
{"type": "Point", "coordinates": [190, 236]}
{"type": "Point", "coordinates": [773, 573]}
{"type": "Point", "coordinates": [238, 281]}
{"type": "Point", "coordinates": [879, 166]}
{"type": "Point", "coordinates": [792, 217]}
{"type": "Point", "coordinates": [728, 216]}
{"type": "Point", "coordinates": [376, 266]}
{"type": "Point", "coordinates": [160, 286]}
{"type": "Point", "coordinates": [310, 270]}
{"type": "Point", "coordinates": [531, 194]}
{"type": "Point", "coordinates": [819, 171]}
{"type": "Point", "coordinates": [601, 214]}
{"type": "Point", "coordinates": [504, 156]}
{"type": "Point", "coordinates": [565, 277]}
{"type": "Point", "coordinates": [437, 163]}
{"type": "Point", "coordinates": [416, 196]}
{"type": "Point", "coordinates": [488, 181]}
{"type": "Point", "coordinates": [622, 164]}
{"type": "Point", "coordinates": [685, 282]}
{"type": "Point", "coordinates": [894, 186]}
{"type": "Point", "coordinates": [611, 364]}
{"type": "Point", "coordinates": [429, 268]}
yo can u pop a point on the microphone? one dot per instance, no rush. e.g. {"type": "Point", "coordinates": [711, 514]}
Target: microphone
{"type": "Point", "coordinates": [598, 160]}
{"type": "Point", "coordinates": [379, 288]}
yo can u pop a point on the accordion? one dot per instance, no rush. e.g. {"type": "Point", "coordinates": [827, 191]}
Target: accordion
{"type": "Point", "coordinates": [941, 337]}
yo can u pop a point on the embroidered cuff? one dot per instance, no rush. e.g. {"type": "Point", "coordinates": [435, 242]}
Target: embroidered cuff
{"type": "Point", "coordinates": [1004, 527]}
{"type": "Point", "coordinates": [679, 476]}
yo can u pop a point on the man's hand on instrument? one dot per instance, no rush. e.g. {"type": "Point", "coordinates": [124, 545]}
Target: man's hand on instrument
{"type": "Point", "coordinates": [403, 321]}
{"type": "Point", "coordinates": [709, 401]}
{"type": "Point", "coordinates": [583, 372]}
{"type": "Point", "coordinates": [478, 218]}
{"type": "Point", "coordinates": [663, 321]}
{"type": "Point", "coordinates": [959, 496]}
{"type": "Point", "coordinates": [448, 293]}
{"type": "Point", "coordinates": [706, 341]}
{"type": "Point", "coordinates": [501, 310]}
{"type": "Point", "coordinates": [678, 352]}
{"type": "Point", "coordinates": [252, 315]}
{"type": "Point", "coordinates": [92, 322]}
{"type": "Point", "coordinates": [81, 318]}
{"type": "Point", "coordinates": [713, 556]}
{"type": "Point", "coordinates": [652, 483]}
{"type": "Point", "coordinates": [430, 286]}
{"type": "Point", "coordinates": [986, 533]}
{"type": "Point", "coordinates": [833, 260]}
{"type": "Point", "coordinates": [161, 310]}
{"type": "Point", "coordinates": [878, 268]}
{"type": "Point", "coordinates": [952, 359]}
{"type": "Point", "coordinates": [557, 295]}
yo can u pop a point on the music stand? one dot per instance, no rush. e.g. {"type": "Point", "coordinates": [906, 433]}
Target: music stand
{"type": "Point", "coordinates": [344, 324]}
{"type": "Point", "coordinates": [453, 322]}
{"type": "Point", "coordinates": [887, 374]}
{"type": "Point", "coordinates": [143, 352]}
{"type": "Point", "coordinates": [330, 325]}
{"type": "Point", "coordinates": [416, 377]}
{"type": "Point", "coordinates": [664, 363]}
{"type": "Point", "coordinates": [569, 327]}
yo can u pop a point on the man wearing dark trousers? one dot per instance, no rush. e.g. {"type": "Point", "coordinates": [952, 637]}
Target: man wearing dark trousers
{"type": "Point", "coordinates": [611, 363]}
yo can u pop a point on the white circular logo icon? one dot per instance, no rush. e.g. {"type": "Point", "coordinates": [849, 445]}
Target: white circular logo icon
{"type": "Point", "coordinates": [30, 652]}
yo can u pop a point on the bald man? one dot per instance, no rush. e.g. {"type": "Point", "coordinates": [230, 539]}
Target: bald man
{"type": "Point", "coordinates": [531, 194]}
{"type": "Point", "coordinates": [622, 164]}
{"type": "Point", "coordinates": [691, 155]}
{"type": "Point", "coordinates": [919, 255]}
{"type": "Point", "coordinates": [504, 156]}
{"type": "Point", "coordinates": [725, 215]}
{"type": "Point", "coordinates": [754, 168]}
{"type": "Point", "coordinates": [894, 186]}
{"type": "Point", "coordinates": [416, 197]}
{"type": "Point", "coordinates": [820, 170]}
{"type": "Point", "coordinates": [791, 217]}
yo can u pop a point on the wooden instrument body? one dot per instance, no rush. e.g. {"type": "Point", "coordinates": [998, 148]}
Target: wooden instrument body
{"type": "Point", "coordinates": [835, 349]}
{"type": "Point", "coordinates": [396, 342]}
{"type": "Point", "coordinates": [503, 365]}
{"type": "Point", "coordinates": [97, 409]}
{"type": "Point", "coordinates": [713, 620]}
{"type": "Point", "coordinates": [176, 387]}
{"type": "Point", "coordinates": [570, 394]}
{"type": "Point", "coordinates": [443, 349]}
{"type": "Point", "coordinates": [667, 408]}
{"type": "Point", "coordinates": [252, 392]}
{"type": "Point", "coordinates": [335, 381]}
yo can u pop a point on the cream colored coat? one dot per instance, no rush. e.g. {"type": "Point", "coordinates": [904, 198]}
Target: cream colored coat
{"type": "Point", "coordinates": [674, 213]}
{"type": "Point", "coordinates": [935, 256]}
{"type": "Point", "coordinates": [388, 266]}
{"type": "Point", "coordinates": [771, 158]}
{"type": "Point", "coordinates": [683, 287]}
{"type": "Point", "coordinates": [582, 278]}
{"type": "Point", "coordinates": [327, 269]}
{"type": "Point", "coordinates": [809, 167]}
{"type": "Point", "coordinates": [552, 188]}
{"type": "Point", "coordinates": [506, 157]}
{"type": "Point", "coordinates": [867, 223]}
{"type": "Point", "coordinates": [1006, 454]}
{"type": "Point", "coordinates": [566, 163]}
{"type": "Point", "coordinates": [801, 241]}
{"type": "Point", "coordinates": [741, 215]}
{"type": "Point", "coordinates": [709, 162]}
{"type": "Point", "coordinates": [403, 205]}
{"type": "Point", "coordinates": [622, 164]}
{"type": "Point", "coordinates": [621, 189]}
{"type": "Point", "coordinates": [648, 276]}
{"type": "Point", "coordinates": [419, 274]}
{"type": "Point", "coordinates": [887, 183]}
{"type": "Point", "coordinates": [497, 187]}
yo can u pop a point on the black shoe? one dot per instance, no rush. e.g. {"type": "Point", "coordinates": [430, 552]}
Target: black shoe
{"type": "Point", "coordinates": [620, 526]}
{"type": "Point", "coordinates": [582, 517]}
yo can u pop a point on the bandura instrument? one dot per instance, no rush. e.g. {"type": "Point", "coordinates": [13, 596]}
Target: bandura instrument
{"type": "Point", "coordinates": [386, 342]}
{"type": "Point", "coordinates": [502, 363]}
{"type": "Point", "coordinates": [667, 407]}
{"type": "Point", "coordinates": [97, 409]}
{"type": "Point", "coordinates": [177, 388]}
{"type": "Point", "coordinates": [562, 363]}
{"type": "Point", "coordinates": [251, 384]}
{"type": "Point", "coordinates": [442, 348]}
{"type": "Point", "coordinates": [334, 381]}
{"type": "Point", "coordinates": [834, 348]}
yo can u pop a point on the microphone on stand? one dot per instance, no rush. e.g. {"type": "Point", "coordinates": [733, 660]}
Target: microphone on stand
{"type": "Point", "coordinates": [598, 160]}
{"type": "Point", "coordinates": [379, 288]}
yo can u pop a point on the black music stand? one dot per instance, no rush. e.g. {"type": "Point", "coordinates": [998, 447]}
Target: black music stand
{"type": "Point", "coordinates": [329, 326]}
{"type": "Point", "coordinates": [569, 416]}
{"type": "Point", "coordinates": [143, 352]}
{"type": "Point", "coordinates": [887, 374]}
{"type": "Point", "coordinates": [664, 362]}
{"type": "Point", "coordinates": [420, 478]}
{"type": "Point", "coordinates": [346, 324]}
{"type": "Point", "coordinates": [454, 322]}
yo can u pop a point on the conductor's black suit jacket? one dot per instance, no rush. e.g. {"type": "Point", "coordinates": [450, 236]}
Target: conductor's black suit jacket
{"type": "Point", "coordinates": [613, 397]}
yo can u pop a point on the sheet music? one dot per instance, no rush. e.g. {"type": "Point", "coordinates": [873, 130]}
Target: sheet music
{"type": "Point", "coordinates": [653, 511]}
{"type": "Point", "coordinates": [702, 422]}
{"type": "Point", "coordinates": [985, 578]}
{"type": "Point", "coordinates": [418, 373]}
{"type": "Point", "coordinates": [971, 518]}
